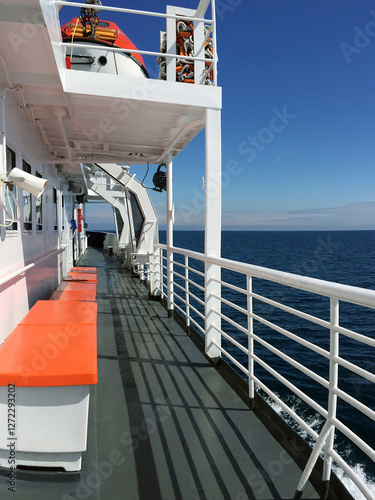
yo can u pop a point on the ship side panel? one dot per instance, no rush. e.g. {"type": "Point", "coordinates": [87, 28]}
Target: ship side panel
{"type": "Point", "coordinates": [33, 238]}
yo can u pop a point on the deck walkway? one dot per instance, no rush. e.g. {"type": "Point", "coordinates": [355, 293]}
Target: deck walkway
{"type": "Point", "coordinates": [163, 423]}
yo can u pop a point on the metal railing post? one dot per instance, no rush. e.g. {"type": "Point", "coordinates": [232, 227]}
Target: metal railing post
{"type": "Point", "coordinates": [171, 45]}
{"type": "Point", "coordinates": [327, 434]}
{"type": "Point", "coordinates": [187, 291]}
{"type": "Point", "coordinates": [199, 48]}
{"type": "Point", "coordinates": [161, 261]}
{"type": "Point", "coordinates": [250, 327]}
{"type": "Point", "coordinates": [333, 385]}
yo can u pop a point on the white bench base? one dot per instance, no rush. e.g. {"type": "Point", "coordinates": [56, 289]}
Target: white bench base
{"type": "Point", "coordinates": [50, 427]}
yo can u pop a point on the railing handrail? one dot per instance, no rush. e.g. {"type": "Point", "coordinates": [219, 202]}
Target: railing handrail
{"type": "Point", "coordinates": [31, 265]}
{"type": "Point", "coordinates": [325, 439]}
{"type": "Point", "coordinates": [347, 293]}
{"type": "Point", "coordinates": [132, 11]}
{"type": "Point", "coordinates": [136, 51]}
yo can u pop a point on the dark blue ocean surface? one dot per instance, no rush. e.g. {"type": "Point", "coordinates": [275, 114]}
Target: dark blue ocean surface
{"type": "Point", "coordinates": [346, 257]}
{"type": "Point", "coordinates": [342, 256]}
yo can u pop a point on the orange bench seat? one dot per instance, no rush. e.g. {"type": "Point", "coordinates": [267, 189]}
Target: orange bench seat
{"type": "Point", "coordinates": [90, 277]}
{"type": "Point", "coordinates": [74, 295]}
{"type": "Point", "coordinates": [56, 312]}
{"type": "Point", "coordinates": [49, 356]}
{"type": "Point", "coordinates": [76, 286]}
{"type": "Point", "coordinates": [84, 270]}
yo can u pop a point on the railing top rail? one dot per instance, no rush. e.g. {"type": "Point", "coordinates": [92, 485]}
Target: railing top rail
{"type": "Point", "coordinates": [136, 51]}
{"type": "Point", "coordinates": [131, 11]}
{"type": "Point", "coordinates": [189, 253]}
{"type": "Point", "coordinates": [339, 291]}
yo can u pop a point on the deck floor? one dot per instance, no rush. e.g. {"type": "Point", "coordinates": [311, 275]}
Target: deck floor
{"type": "Point", "coordinates": [163, 423]}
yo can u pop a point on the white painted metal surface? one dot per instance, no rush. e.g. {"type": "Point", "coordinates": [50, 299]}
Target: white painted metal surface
{"type": "Point", "coordinates": [30, 266]}
{"type": "Point", "coordinates": [100, 185]}
{"type": "Point", "coordinates": [186, 287]}
{"type": "Point", "coordinates": [51, 426]}
{"type": "Point", "coordinates": [39, 240]}
{"type": "Point", "coordinates": [141, 248]}
{"type": "Point", "coordinates": [212, 242]}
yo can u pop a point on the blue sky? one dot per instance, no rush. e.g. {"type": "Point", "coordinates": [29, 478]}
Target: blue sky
{"type": "Point", "coordinates": [298, 139]}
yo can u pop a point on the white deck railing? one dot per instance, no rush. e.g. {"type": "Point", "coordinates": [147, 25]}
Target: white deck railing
{"type": "Point", "coordinates": [204, 30]}
{"type": "Point", "coordinates": [248, 314]}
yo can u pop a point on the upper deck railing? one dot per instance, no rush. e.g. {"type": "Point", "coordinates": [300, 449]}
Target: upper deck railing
{"type": "Point", "coordinates": [195, 63]}
{"type": "Point", "coordinates": [261, 325]}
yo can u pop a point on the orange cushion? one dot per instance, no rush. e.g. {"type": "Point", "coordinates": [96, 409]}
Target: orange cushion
{"type": "Point", "coordinates": [49, 355]}
{"type": "Point", "coordinates": [81, 277]}
{"type": "Point", "coordinates": [83, 270]}
{"type": "Point", "coordinates": [75, 286]}
{"type": "Point", "coordinates": [75, 295]}
{"type": "Point", "coordinates": [57, 312]}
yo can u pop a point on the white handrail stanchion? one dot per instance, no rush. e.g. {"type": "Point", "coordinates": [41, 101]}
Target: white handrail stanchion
{"type": "Point", "coordinates": [250, 327]}
{"type": "Point", "coordinates": [187, 297]}
{"type": "Point", "coordinates": [333, 383]}
{"type": "Point", "coordinates": [170, 297]}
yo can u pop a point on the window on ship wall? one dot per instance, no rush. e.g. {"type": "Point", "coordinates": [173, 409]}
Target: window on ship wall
{"type": "Point", "coordinates": [27, 202]}
{"type": "Point", "coordinates": [39, 209]}
{"type": "Point", "coordinates": [62, 212]}
{"type": "Point", "coordinates": [11, 210]}
{"type": "Point", "coordinates": [119, 221]}
{"type": "Point", "coordinates": [55, 209]}
{"type": "Point", "coordinates": [138, 218]}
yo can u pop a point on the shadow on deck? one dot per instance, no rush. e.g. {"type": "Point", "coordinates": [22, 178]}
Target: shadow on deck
{"type": "Point", "coordinates": [163, 423]}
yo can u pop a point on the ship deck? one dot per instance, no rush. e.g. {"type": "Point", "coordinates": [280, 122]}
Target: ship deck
{"type": "Point", "coordinates": [163, 423]}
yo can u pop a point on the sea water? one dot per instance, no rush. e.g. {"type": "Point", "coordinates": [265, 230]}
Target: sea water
{"type": "Point", "coordinates": [346, 257]}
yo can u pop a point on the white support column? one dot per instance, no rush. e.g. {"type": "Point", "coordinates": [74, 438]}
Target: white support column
{"type": "Point", "coordinates": [170, 297]}
{"type": "Point", "coordinates": [213, 230]}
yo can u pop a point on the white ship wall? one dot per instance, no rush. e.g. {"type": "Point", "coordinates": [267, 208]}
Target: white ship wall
{"type": "Point", "coordinates": [19, 248]}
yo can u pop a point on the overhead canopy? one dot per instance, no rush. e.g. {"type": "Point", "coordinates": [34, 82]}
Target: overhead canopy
{"type": "Point", "coordinates": [93, 117]}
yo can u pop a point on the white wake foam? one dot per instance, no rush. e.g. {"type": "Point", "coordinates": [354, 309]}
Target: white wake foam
{"type": "Point", "coordinates": [350, 486]}
{"type": "Point", "coordinates": [315, 421]}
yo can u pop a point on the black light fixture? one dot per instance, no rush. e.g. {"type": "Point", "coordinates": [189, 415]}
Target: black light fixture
{"type": "Point", "coordinates": [81, 198]}
{"type": "Point", "coordinates": [160, 179]}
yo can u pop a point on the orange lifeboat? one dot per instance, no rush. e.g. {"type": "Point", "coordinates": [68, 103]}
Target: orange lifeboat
{"type": "Point", "coordinates": [98, 59]}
